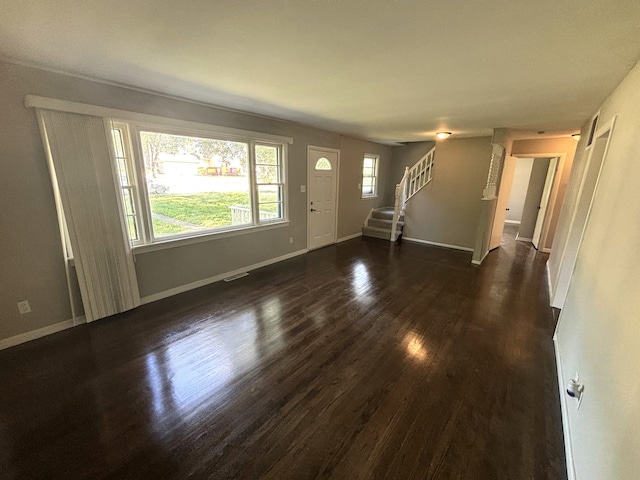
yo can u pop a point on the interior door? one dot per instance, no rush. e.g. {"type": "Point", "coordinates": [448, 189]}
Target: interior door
{"type": "Point", "coordinates": [506, 181]}
{"type": "Point", "coordinates": [544, 202]}
{"type": "Point", "coordinates": [582, 209]}
{"type": "Point", "coordinates": [322, 195]}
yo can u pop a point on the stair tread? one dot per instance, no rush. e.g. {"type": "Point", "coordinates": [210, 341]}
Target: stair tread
{"type": "Point", "coordinates": [376, 229]}
{"type": "Point", "coordinates": [383, 223]}
{"type": "Point", "coordinates": [384, 214]}
{"type": "Point", "coordinates": [380, 224]}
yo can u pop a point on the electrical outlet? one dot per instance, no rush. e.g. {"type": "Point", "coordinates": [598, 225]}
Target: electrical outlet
{"type": "Point", "coordinates": [24, 307]}
{"type": "Point", "coordinates": [290, 239]}
{"type": "Point", "coordinates": [303, 188]}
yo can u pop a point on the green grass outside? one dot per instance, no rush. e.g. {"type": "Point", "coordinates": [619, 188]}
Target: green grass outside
{"type": "Point", "coordinates": [162, 228]}
{"type": "Point", "coordinates": [203, 210]}
{"type": "Point", "coordinates": [207, 210]}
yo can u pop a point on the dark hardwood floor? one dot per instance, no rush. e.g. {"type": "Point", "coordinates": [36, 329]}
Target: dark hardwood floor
{"type": "Point", "coordinates": [365, 360]}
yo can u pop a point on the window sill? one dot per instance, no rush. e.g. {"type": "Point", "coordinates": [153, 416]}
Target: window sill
{"type": "Point", "coordinates": [369, 197]}
{"type": "Point", "coordinates": [205, 237]}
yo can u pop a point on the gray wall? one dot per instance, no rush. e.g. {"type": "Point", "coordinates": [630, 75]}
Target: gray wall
{"type": "Point", "coordinates": [521, 177]}
{"type": "Point", "coordinates": [404, 156]}
{"type": "Point", "coordinates": [353, 209]}
{"type": "Point", "coordinates": [533, 197]}
{"type": "Point", "coordinates": [31, 264]}
{"type": "Point", "coordinates": [598, 333]}
{"type": "Point", "coordinates": [447, 209]}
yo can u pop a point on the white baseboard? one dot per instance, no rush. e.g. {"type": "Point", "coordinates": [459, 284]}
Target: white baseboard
{"type": "Point", "coordinates": [549, 286]}
{"type": "Point", "coordinates": [479, 262]}
{"type": "Point", "coordinates": [217, 278]}
{"type": "Point", "coordinates": [349, 237]}
{"type": "Point", "coordinates": [566, 431]}
{"type": "Point", "coordinates": [57, 327]}
{"type": "Point", "coordinates": [436, 244]}
{"type": "Point", "coordinates": [513, 222]}
{"type": "Point", "coordinates": [523, 239]}
{"type": "Point", "coordinates": [40, 332]}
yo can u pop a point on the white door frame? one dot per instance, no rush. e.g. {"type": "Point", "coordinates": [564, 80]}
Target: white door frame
{"type": "Point", "coordinates": [551, 206]}
{"type": "Point", "coordinates": [502, 201]}
{"type": "Point", "coordinates": [562, 280]}
{"type": "Point", "coordinates": [337, 190]}
{"type": "Point", "coordinates": [543, 207]}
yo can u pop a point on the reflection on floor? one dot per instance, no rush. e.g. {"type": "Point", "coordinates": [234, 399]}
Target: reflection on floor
{"type": "Point", "coordinates": [363, 360]}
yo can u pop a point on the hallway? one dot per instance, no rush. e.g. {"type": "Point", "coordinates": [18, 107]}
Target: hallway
{"type": "Point", "coordinates": [361, 360]}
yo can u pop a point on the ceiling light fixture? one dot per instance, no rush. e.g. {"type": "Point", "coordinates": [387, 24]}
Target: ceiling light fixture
{"type": "Point", "coordinates": [576, 137]}
{"type": "Point", "coordinates": [443, 135]}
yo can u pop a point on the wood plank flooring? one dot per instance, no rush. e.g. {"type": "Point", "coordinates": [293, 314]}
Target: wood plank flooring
{"type": "Point", "coordinates": [365, 360]}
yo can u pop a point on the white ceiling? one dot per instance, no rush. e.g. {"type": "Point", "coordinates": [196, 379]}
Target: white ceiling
{"type": "Point", "coordinates": [388, 70]}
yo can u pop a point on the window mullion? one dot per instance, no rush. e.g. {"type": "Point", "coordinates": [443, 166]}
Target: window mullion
{"type": "Point", "coordinates": [285, 181]}
{"type": "Point", "coordinates": [141, 190]}
{"type": "Point", "coordinates": [255, 207]}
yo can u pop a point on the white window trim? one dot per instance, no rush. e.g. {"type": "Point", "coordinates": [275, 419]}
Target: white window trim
{"type": "Point", "coordinates": [148, 242]}
{"type": "Point", "coordinates": [133, 181]}
{"type": "Point", "coordinates": [367, 196]}
{"type": "Point", "coordinates": [282, 183]}
{"type": "Point", "coordinates": [206, 236]}
{"type": "Point", "coordinates": [134, 120]}
{"type": "Point", "coordinates": [35, 101]}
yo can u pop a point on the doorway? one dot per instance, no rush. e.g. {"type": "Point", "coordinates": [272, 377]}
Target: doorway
{"type": "Point", "coordinates": [322, 194]}
{"type": "Point", "coordinates": [527, 193]}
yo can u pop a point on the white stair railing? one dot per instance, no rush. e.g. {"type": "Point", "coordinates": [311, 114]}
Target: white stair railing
{"type": "Point", "coordinates": [413, 180]}
{"type": "Point", "coordinates": [421, 173]}
{"type": "Point", "coordinates": [399, 203]}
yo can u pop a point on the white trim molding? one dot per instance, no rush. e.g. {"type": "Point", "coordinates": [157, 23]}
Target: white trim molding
{"type": "Point", "coordinates": [437, 244]}
{"type": "Point", "coordinates": [549, 286]}
{"type": "Point", "coordinates": [40, 332]}
{"type": "Point", "coordinates": [479, 262]}
{"type": "Point", "coordinates": [376, 158]}
{"type": "Point", "coordinates": [205, 237]}
{"type": "Point", "coordinates": [349, 237]}
{"type": "Point", "coordinates": [217, 278]}
{"type": "Point", "coordinates": [566, 429]}
{"type": "Point", "coordinates": [34, 101]}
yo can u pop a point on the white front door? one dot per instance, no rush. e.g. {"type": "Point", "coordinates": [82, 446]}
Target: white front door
{"type": "Point", "coordinates": [544, 202]}
{"type": "Point", "coordinates": [322, 195]}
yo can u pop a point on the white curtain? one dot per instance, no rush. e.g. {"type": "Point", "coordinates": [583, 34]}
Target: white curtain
{"type": "Point", "coordinates": [79, 154]}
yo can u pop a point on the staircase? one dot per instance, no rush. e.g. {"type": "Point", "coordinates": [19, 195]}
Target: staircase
{"type": "Point", "coordinates": [387, 222]}
{"type": "Point", "coordinates": [379, 224]}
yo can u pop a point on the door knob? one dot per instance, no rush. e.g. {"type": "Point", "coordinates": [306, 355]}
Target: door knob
{"type": "Point", "coordinates": [314, 210]}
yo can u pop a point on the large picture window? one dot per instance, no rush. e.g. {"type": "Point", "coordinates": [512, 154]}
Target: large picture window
{"type": "Point", "coordinates": [193, 184]}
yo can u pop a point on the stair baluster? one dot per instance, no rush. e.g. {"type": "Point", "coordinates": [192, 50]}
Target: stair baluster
{"type": "Point", "coordinates": [413, 180]}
